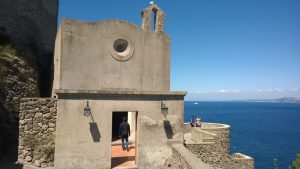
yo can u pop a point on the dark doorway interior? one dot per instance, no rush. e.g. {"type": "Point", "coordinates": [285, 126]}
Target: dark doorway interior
{"type": "Point", "coordinates": [116, 121]}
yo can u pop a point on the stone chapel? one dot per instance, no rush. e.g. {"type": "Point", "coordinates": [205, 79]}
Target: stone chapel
{"type": "Point", "coordinates": [104, 71]}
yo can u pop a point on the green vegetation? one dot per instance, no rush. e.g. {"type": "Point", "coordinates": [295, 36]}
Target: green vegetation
{"type": "Point", "coordinates": [1, 74]}
{"type": "Point", "coordinates": [5, 45]}
{"type": "Point", "coordinates": [296, 162]}
{"type": "Point", "coordinates": [5, 48]}
{"type": "Point", "coordinates": [275, 163]}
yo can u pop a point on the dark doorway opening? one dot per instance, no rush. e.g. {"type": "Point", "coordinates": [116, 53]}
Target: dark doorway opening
{"type": "Point", "coordinates": [120, 157]}
{"type": "Point", "coordinates": [117, 120]}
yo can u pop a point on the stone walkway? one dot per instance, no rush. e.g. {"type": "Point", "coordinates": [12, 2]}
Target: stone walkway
{"type": "Point", "coordinates": [123, 159]}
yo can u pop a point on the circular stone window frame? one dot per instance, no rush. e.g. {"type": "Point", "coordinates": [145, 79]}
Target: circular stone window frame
{"type": "Point", "coordinates": [126, 54]}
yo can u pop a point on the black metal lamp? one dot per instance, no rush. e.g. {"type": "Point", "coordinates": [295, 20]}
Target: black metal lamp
{"type": "Point", "coordinates": [164, 108]}
{"type": "Point", "coordinates": [87, 110]}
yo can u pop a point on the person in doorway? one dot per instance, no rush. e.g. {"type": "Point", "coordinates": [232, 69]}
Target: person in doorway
{"type": "Point", "coordinates": [124, 133]}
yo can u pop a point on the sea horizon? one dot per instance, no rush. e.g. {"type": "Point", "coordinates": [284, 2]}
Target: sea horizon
{"type": "Point", "coordinates": [263, 130]}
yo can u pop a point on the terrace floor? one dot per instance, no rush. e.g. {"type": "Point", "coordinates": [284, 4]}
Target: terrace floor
{"type": "Point", "coordinates": [123, 159]}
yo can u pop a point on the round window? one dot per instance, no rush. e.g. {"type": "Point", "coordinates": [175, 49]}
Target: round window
{"type": "Point", "coordinates": [120, 45]}
{"type": "Point", "coordinates": [122, 49]}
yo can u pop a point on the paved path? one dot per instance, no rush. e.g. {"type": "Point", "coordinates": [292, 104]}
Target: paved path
{"type": "Point", "coordinates": [121, 158]}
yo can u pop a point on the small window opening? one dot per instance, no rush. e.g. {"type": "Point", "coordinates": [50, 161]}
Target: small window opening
{"type": "Point", "coordinates": [153, 18]}
{"type": "Point", "coordinates": [120, 45]}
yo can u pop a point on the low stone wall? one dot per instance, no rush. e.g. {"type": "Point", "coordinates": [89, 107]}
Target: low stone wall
{"type": "Point", "coordinates": [187, 127]}
{"type": "Point", "coordinates": [182, 158]}
{"type": "Point", "coordinates": [243, 161]}
{"type": "Point", "coordinates": [217, 152]}
{"type": "Point", "coordinates": [178, 161]}
{"type": "Point", "coordinates": [200, 136]}
{"type": "Point", "coordinates": [37, 128]}
{"type": "Point", "coordinates": [210, 154]}
{"type": "Point", "coordinates": [222, 137]}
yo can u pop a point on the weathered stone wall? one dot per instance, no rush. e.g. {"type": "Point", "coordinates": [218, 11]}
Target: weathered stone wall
{"type": "Point", "coordinates": [217, 152]}
{"type": "Point", "coordinates": [37, 128]}
{"type": "Point", "coordinates": [103, 68]}
{"type": "Point", "coordinates": [17, 80]}
{"type": "Point", "coordinates": [147, 19]}
{"type": "Point", "coordinates": [222, 137]}
{"type": "Point", "coordinates": [178, 162]}
{"type": "Point", "coordinates": [182, 158]}
{"type": "Point", "coordinates": [242, 161]}
{"type": "Point", "coordinates": [210, 154]}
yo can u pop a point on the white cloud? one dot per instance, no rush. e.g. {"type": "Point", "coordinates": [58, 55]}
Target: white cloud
{"type": "Point", "coordinates": [217, 91]}
{"type": "Point", "coordinates": [294, 89]}
{"type": "Point", "coordinates": [270, 90]}
{"type": "Point", "coordinates": [235, 91]}
{"type": "Point", "coordinates": [221, 91]}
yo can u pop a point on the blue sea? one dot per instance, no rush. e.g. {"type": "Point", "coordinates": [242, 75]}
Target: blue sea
{"type": "Point", "coordinates": [263, 131]}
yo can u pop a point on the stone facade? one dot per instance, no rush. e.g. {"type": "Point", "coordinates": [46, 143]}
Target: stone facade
{"type": "Point", "coordinates": [37, 131]}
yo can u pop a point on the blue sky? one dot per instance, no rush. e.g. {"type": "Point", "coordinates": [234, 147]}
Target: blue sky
{"type": "Point", "coordinates": [220, 49]}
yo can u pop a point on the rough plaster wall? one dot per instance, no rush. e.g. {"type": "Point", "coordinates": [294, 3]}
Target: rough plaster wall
{"type": "Point", "coordinates": [89, 47]}
{"type": "Point", "coordinates": [75, 146]}
{"type": "Point", "coordinates": [37, 128]}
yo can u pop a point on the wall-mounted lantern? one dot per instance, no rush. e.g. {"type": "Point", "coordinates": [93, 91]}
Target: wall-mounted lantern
{"type": "Point", "coordinates": [87, 110]}
{"type": "Point", "coordinates": [164, 108]}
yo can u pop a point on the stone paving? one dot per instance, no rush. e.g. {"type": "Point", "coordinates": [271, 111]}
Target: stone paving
{"type": "Point", "coordinates": [121, 158]}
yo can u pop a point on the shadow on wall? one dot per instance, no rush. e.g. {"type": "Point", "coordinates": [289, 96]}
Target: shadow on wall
{"type": "Point", "coordinates": [95, 131]}
{"type": "Point", "coordinates": [168, 129]}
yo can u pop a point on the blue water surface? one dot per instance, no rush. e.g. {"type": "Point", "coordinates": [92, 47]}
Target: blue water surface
{"type": "Point", "coordinates": [263, 131]}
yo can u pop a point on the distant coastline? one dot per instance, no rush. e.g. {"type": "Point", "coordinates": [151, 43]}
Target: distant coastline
{"type": "Point", "coordinates": [278, 100]}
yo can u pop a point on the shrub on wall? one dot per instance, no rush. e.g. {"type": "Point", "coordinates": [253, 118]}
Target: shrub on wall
{"type": "Point", "coordinates": [296, 163]}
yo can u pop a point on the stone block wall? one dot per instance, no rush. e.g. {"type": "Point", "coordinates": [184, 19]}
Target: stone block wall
{"type": "Point", "coordinates": [210, 154]}
{"type": "Point", "coordinates": [184, 159]}
{"type": "Point", "coordinates": [243, 161]}
{"type": "Point", "coordinates": [177, 161]}
{"type": "Point", "coordinates": [217, 153]}
{"type": "Point", "coordinates": [37, 128]}
{"type": "Point", "coordinates": [222, 137]}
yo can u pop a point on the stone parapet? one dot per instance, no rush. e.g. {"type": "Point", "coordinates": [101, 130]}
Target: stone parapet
{"type": "Point", "coordinates": [243, 161]}
{"type": "Point", "coordinates": [184, 159]}
{"type": "Point", "coordinates": [211, 144]}
{"type": "Point", "coordinates": [222, 137]}
{"type": "Point", "coordinates": [200, 136]}
{"type": "Point", "coordinates": [37, 128]}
